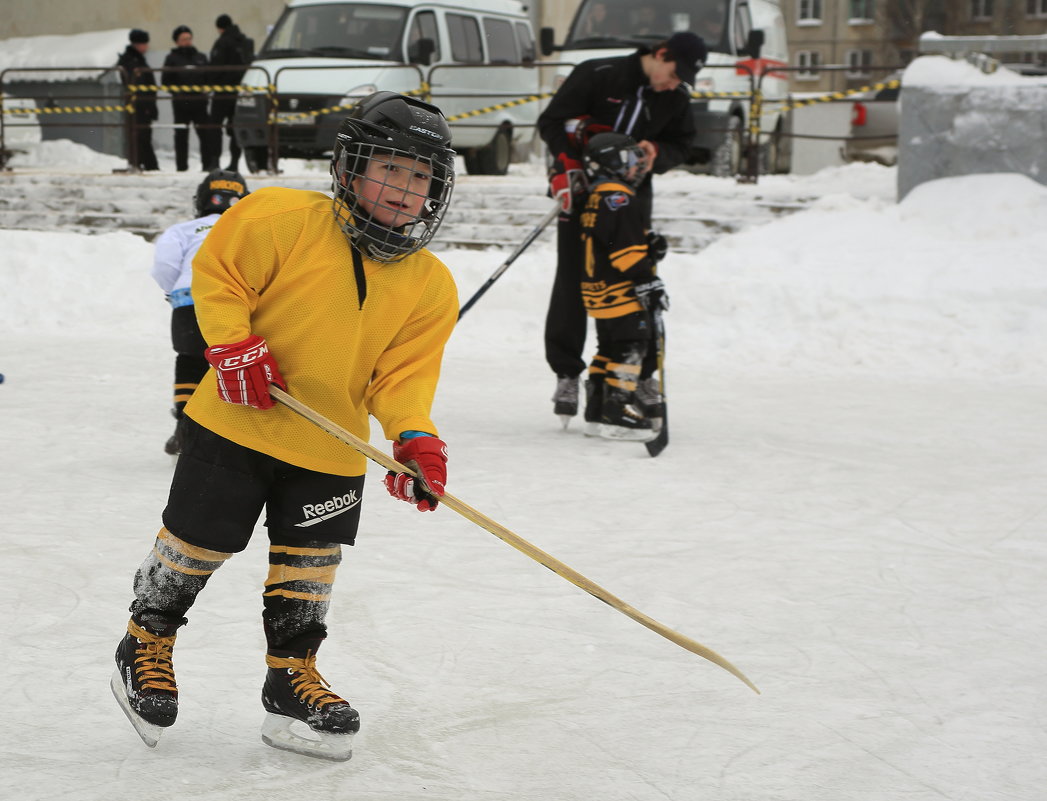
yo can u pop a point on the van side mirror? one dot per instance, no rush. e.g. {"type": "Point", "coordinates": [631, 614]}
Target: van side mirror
{"type": "Point", "coordinates": [546, 39]}
{"type": "Point", "coordinates": [421, 52]}
{"type": "Point", "coordinates": [754, 45]}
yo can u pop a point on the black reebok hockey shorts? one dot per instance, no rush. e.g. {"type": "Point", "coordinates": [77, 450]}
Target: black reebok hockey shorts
{"type": "Point", "coordinates": [220, 488]}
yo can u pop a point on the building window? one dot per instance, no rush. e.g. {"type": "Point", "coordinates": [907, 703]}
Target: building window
{"type": "Point", "coordinates": [862, 11]}
{"type": "Point", "coordinates": [809, 12]}
{"type": "Point", "coordinates": [858, 63]}
{"type": "Point", "coordinates": [808, 61]}
{"type": "Point", "coordinates": [981, 9]}
{"type": "Point", "coordinates": [1036, 8]}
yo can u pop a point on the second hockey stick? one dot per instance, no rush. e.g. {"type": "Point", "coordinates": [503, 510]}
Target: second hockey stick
{"type": "Point", "coordinates": [548, 218]}
{"type": "Point", "coordinates": [508, 537]}
{"type": "Point", "coordinates": [658, 444]}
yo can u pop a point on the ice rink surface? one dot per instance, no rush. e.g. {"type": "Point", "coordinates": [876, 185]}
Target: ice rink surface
{"type": "Point", "coordinates": [852, 509]}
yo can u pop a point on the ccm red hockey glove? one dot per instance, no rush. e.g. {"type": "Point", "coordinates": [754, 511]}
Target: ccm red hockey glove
{"type": "Point", "coordinates": [428, 457]}
{"type": "Point", "coordinates": [566, 179]}
{"type": "Point", "coordinates": [244, 371]}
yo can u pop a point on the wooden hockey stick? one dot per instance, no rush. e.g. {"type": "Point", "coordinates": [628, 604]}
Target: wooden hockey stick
{"type": "Point", "coordinates": [508, 537]}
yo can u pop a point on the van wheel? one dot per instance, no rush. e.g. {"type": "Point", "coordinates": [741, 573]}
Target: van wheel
{"type": "Point", "coordinates": [257, 158]}
{"type": "Point", "coordinates": [727, 158]}
{"type": "Point", "coordinates": [493, 158]}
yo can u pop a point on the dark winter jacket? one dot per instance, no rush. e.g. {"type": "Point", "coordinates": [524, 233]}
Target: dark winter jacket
{"type": "Point", "coordinates": [228, 49]}
{"type": "Point", "coordinates": [186, 57]}
{"type": "Point", "coordinates": [135, 73]}
{"type": "Point", "coordinates": [615, 92]}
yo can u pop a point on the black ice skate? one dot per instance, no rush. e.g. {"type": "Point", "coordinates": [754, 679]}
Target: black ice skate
{"type": "Point", "coordinates": [593, 406]}
{"type": "Point", "coordinates": [295, 691]}
{"type": "Point", "coordinates": [144, 682]}
{"type": "Point", "coordinates": [565, 399]}
{"type": "Point", "coordinates": [623, 420]}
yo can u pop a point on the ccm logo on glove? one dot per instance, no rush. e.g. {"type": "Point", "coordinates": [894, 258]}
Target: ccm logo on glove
{"type": "Point", "coordinates": [427, 456]}
{"type": "Point", "coordinates": [244, 371]}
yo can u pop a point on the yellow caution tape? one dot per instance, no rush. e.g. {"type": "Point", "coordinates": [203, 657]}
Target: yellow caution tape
{"type": "Point", "coordinates": [67, 110]}
{"type": "Point", "coordinates": [828, 98]}
{"type": "Point", "coordinates": [149, 88]}
{"type": "Point", "coordinates": [699, 95]}
{"type": "Point", "coordinates": [499, 106]}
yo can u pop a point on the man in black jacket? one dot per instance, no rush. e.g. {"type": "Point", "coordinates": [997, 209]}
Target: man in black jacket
{"type": "Point", "coordinates": [136, 72]}
{"type": "Point", "coordinates": [645, 95]}
{"type": "Point", "coordinates": [190, 107]}
{"type": "Point", "coordinates": [228, 50]}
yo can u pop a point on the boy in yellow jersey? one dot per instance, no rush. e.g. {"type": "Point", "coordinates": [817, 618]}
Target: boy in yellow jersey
{"type": "Point", "coordinates": [349, 313]}
{"type": "Point", "coordinates": [619, 287]}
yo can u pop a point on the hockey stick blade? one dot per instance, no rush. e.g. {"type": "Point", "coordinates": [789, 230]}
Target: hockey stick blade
{"type": "Point", "coordinates": [509, 538]}
{"type": "Point", "coordinates": [657, 445]}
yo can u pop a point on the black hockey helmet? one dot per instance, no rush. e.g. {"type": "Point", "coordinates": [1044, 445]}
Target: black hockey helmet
{"type": "Point", "coordinates": [218, 191]}
{"type": "Point", "coordinates": [614, 155]}
{"type": "Point", "coordinates": [391, 124]}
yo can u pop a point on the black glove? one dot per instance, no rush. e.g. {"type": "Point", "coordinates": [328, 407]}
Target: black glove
{"type": "Point", "coordinates": [652, 294]}
{"type": "Point", "coordinates": [657, 246]}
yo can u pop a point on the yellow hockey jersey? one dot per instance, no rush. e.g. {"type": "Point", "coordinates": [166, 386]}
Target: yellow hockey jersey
{"type": "Point", "coordinates": [277, 265]}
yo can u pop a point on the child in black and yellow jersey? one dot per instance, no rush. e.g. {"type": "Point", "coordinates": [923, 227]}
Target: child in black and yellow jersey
{"type": "Point", "coordinates": [619, 287]}
{"type": "Point", "coordinates": [339, 302]}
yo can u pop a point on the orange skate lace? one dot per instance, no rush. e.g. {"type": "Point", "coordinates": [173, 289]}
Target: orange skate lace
{"type": "Point", "coordinates": [306, 681]}
{"type": "Point", "coordinates": [153, 659]}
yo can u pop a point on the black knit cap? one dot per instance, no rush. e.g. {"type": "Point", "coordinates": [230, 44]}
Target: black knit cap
{"type": "Point", "coordinates": [223, 21]}
{"type": "Point", "coordinates": [179, 31]}
{"type": "Point", "coordinates": [138, 36]}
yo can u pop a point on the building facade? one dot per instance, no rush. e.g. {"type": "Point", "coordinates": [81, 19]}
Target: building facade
{"type": "Point", "coordinates": [845, 44]}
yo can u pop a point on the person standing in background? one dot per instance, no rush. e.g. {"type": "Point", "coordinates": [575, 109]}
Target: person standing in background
{"type": "Point", "coordinates": [646, 96]}
{"type": "Point", "coordinates": [136, 72]}
{"type": "Point", "coordinates": [190, 107]}
{"type": "Point", "coordinates": [230, 49]}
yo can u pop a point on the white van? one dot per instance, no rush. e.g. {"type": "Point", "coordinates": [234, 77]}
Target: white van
{"type": "Point", "coordinates": [327, 54]}
{"type": "Point", "coordinates": [742, 36]}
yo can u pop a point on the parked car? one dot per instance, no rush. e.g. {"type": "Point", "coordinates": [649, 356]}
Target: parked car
{"type": "Point", "coordinates": [327, 54]}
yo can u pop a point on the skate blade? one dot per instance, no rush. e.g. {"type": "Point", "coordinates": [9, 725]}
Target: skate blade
{"type": "Point", "coordinates": [149, 732]}
{"type": "Point", "coordinates": [565, 420]}
{"type": "Point", "coordinates": [277, 733]}
{"type": "Point", "coordinates": [592, 430]}
{"type": "Point", "coordinates": [622, 434]}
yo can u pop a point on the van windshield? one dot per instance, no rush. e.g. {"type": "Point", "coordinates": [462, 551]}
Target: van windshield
{"type": "Point", "coordinates": [627, 23]}
{"type": "Point", "coordinates": [339, 30]}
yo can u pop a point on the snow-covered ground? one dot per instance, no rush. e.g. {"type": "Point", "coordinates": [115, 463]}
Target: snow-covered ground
{"type": "Point", "coordinates": [851, 509]}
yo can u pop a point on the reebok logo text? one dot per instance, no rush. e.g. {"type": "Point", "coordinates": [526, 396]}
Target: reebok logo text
{"type": "Point", "coordinates": [314, 513]}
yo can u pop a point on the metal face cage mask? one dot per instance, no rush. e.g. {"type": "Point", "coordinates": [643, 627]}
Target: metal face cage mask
{"type": "Point", "coordinates": [408, 179]}
{"type": "Point", "coordinates": [393, 173]}
{"type": "Point", "coordinates": [614, 155]}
